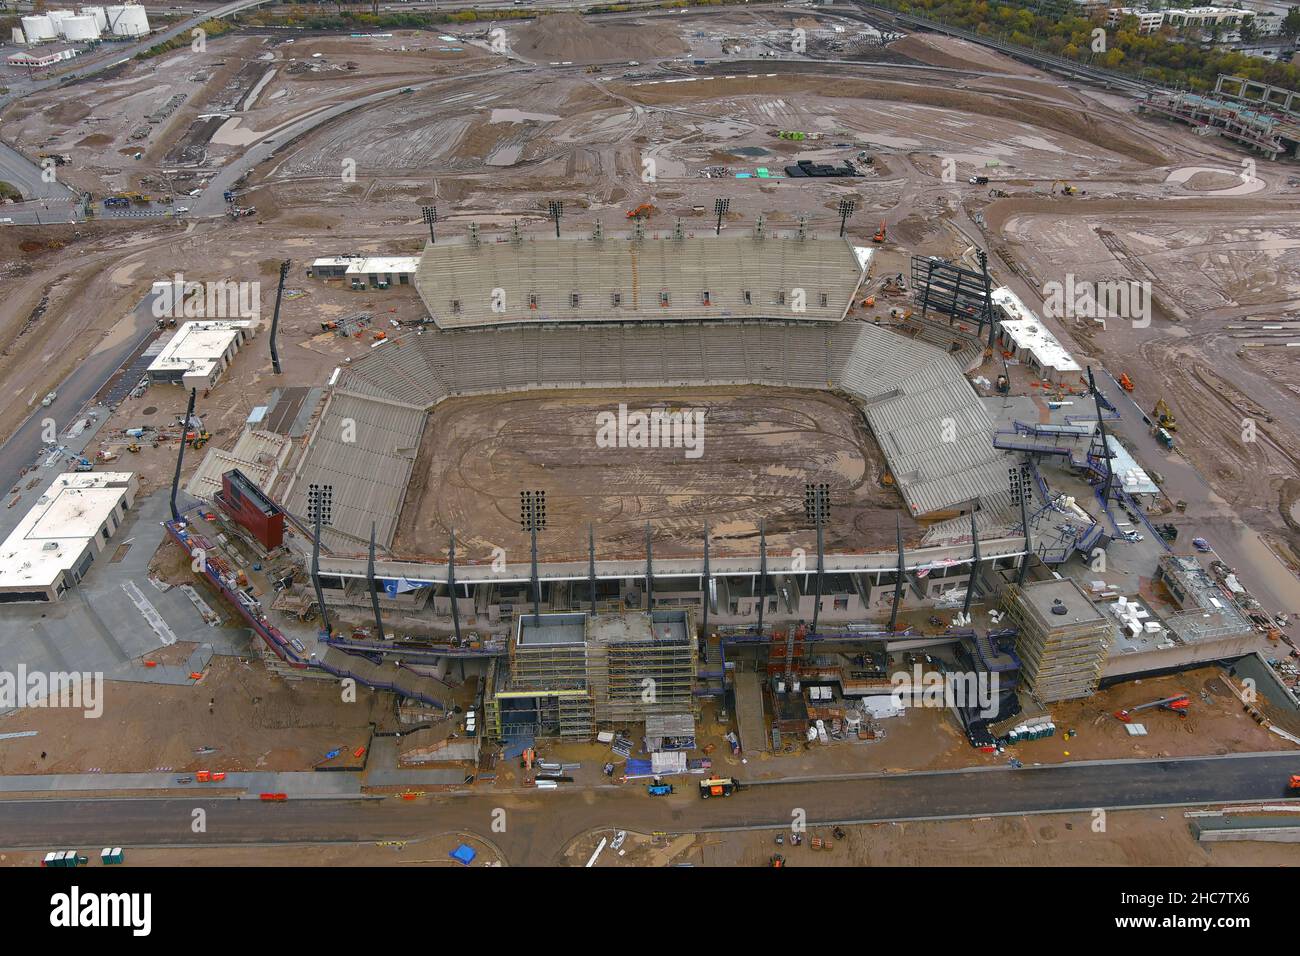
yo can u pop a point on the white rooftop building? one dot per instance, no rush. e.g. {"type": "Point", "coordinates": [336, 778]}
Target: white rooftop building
{"type": "Point", "coordinates": [200, 351]}
{"type": "Point", "coordinates": [57, 541]}
{"type": "Point", "coordinates": [395, 270]}
{"type": "Point", "coordinates": [1023, 332]}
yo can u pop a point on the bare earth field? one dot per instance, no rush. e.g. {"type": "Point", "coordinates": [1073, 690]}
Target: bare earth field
{"type": "Point", "coordinates": [759, 447]}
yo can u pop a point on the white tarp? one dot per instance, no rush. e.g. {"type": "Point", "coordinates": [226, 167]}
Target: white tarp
{"type": "Point", "coordinates": [667, 762]}
{"type": "Point", "coordinates": [881, 707]}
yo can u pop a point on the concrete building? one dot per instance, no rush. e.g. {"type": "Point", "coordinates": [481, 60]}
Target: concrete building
{"type": "Point", "coordinates": [373, 270]}
{"type": "Point", "coordinates": [56, 542]}
{"type": "Point", "coordinates": [200, 351]}
{"type": "Point", "coordinates": [570, 673]}
{"type": "Point", "coordinates": [1207, 18]}
{"type": "Point", "coordinates": [1149, 21]}
{"type": "Point", "coordinates": [1023, 333]}
{"type": "Point", "coordinates": [42, 60]}
{"type": "Point", "coordinates": [1064, 638]}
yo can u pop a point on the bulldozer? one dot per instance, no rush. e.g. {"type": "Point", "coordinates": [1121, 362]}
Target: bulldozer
{"type": "Point", "coordinates": [1164, 417]}
{"type": "Point", "coordinates": [643, 211]}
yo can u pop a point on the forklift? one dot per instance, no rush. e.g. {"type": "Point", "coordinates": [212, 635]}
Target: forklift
{"type": "Point", "coordinates": [719, 787]}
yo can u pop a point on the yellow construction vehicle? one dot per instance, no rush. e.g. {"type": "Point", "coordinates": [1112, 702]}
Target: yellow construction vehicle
{"type": "Point", "coordinates": [1164, 417]}
{"type": "Point", "coordinates": [1066, 188]}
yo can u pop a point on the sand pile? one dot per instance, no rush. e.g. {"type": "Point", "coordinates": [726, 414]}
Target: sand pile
{"type": "Point", "coordinates": [566, 36]}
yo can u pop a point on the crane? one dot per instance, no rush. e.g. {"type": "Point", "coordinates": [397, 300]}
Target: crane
{"type": "Point", "coordinates": [1177, 704]}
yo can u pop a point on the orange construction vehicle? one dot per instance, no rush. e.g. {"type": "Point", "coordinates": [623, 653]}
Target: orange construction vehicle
{"type": "Point", "coordinates": [1294, 785]}
{"type": "Point", "coordinates": [880, 233]}
{"type": "Point", "coordinates": [643, 211]}
{"type": "Point", "coordinates": [1125, 382]}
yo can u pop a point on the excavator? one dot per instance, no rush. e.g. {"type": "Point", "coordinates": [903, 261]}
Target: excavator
{"type": "Point", "coordinates": [1177, 704]}
{"type": "Point", "coordinates": [1164, 417]}
{"type": "Point", "coordinates": [1066, 188]}
{"type": "Point", "coordinates": [880, 233]}
{"type": "Point", "coordinates": [643, 211]}
{"type": "Point", "coordinates": [1125, 382]}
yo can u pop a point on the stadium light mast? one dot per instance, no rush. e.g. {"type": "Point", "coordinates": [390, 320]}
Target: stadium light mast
{"type": "Point", "coordinates": [721, 207]}
{"type": "Point", "coordinates": [451, 587]}
{"type": "Point", "coordinates": [817, 509]}
{"type": "Point", "coordinates": [180, 455]}
{"type": "Point", "coordinates": [900, 575]}
{"type": "Point", "coordinates": [556, 208]}
{"type": "Point", "coordinates": [847, 208]}
{"type": "Point", "coordinates": [649, 571]}
{"type": "Point", "coordinates": [708, 580]}
{"type": "Point", "coordinates": [762, 572]}
{"type": "Point", "coordinates": [532, 518]}
{"type": "Point", "coordinates": [374, 592]}
{"type": "Point", "coordinates": [430, 214]}
{"type": "Point", "coordinates": [319, 503]}
{"type": "Point", "coordinates": [975, 558]}
{"type": "Point", "coordinates": [591, 565]}
{"type": "Point", "coordinates": [275, 317]}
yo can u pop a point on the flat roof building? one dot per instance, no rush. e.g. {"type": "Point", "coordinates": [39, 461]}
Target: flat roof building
{"type": "Point", "coordinates": [1024, 333]}
{"type": "Point", "coordinates": [1063, 641]}
{"type": "Point", "coordinates": [200, 351]}
{"type": "Point", "coordinates": [57, 541]}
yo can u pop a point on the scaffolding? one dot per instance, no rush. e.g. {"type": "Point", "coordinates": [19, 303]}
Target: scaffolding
{"type": "Point", "coordinates": [1063, 638]}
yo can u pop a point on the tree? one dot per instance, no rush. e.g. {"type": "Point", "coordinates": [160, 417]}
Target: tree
{"type": "Point", "coordinates": [1291, 23]}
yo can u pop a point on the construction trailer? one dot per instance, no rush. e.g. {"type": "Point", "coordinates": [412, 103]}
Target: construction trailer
{"type": "Point", "coordinates": [1063, 637]}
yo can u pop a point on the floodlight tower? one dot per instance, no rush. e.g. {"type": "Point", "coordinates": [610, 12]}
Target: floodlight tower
{"type": "Point", "coordinates": [374, 591]}
{"type": "Point", "coordinates": [556, 208]}
{"type": "Point", "coordinates": [817, 509]}
{"type": "Point", "coordinates": [532, 518]}
{"type": "Point", "coordinates": [430, 214]}
{"type": "Point", "coordinates": [319, 507]}
{"type": "Point", "coordinates": [847, 208]}
{"type": "Point", "coordinates": [721, 207]}
{"type": "Point", "coordinates": [180, 454]}
{"type": "Point", "coordinates": [275, 316]}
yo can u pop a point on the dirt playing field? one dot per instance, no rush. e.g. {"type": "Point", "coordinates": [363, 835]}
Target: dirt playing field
{"type": "Point", "coordinates": [757, 449]}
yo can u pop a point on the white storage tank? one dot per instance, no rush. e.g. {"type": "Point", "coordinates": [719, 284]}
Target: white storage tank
{"type": "Point", "coordinates": [127, 20]}
{"type": "Point", "coordinates": [37, 29]}
{"type": "Point", "coordinates": [80, 28]}
{"type": "Point", "coordinates": [101, 19]}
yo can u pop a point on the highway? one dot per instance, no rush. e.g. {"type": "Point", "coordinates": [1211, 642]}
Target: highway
{"type": "Point", "coordinates": [539, 825]}
{"type": "Point", "coordinates": [73, 394]}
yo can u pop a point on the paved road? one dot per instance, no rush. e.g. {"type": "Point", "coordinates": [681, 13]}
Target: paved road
{"type": "Point", "coordinates": [538, 826]}
{"type": "Point", "coordinates": [74, 393]}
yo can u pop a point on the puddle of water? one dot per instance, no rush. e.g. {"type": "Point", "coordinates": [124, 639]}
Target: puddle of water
{"type": "Point", "coordinates": [519, 116]}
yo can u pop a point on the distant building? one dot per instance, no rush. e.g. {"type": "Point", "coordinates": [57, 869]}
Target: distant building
{"type": "Point", "coordinates": [57, 541]}
{"type": "Point", "coordinates": [1149, 21]}
{"type": "Point", "coordinates": [1207, 18]}
{"type": "Point", "coordinates": [393, 270]}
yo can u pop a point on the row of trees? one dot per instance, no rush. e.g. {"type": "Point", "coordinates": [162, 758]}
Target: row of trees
{"type": "Point", "coordinates": [1055, 27]}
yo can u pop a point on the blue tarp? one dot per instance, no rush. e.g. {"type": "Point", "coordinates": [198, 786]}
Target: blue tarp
{"type": "Point", "coordinates": [463, 854]}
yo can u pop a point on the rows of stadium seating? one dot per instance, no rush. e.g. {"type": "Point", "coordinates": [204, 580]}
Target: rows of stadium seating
{"type": "Point", "coordinates": [496, 283]}
{"type": "Point", "coordinates": [364, 448]}
{"type": "Point", "coordinates": [930, 424]}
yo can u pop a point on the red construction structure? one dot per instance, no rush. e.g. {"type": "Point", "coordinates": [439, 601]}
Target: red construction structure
{"type": "Point", "coordinates": [247, 505]}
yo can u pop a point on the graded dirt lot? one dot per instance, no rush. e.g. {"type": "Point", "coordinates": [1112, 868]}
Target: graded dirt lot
{"type": "Point", "coordinates": [757, 450]}
{"type": "Point", "coordinates": [1131, 838]}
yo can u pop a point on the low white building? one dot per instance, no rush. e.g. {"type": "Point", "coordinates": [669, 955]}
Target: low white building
{"type": "Point", "coordinates": [1207, 18]}
{"type": "Point", "coordinates": [42, 60]}
{"type": "Point", "coordinates": [200, 351]}
{"type": "Point", "coordinates": [1023, 333]}
{"type": "Point", "coordinates": [56, 542]}
{"type": "Point", "coordinates": [394, 270]}
{"type": "Point", "coordinates": [1149, 21]}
